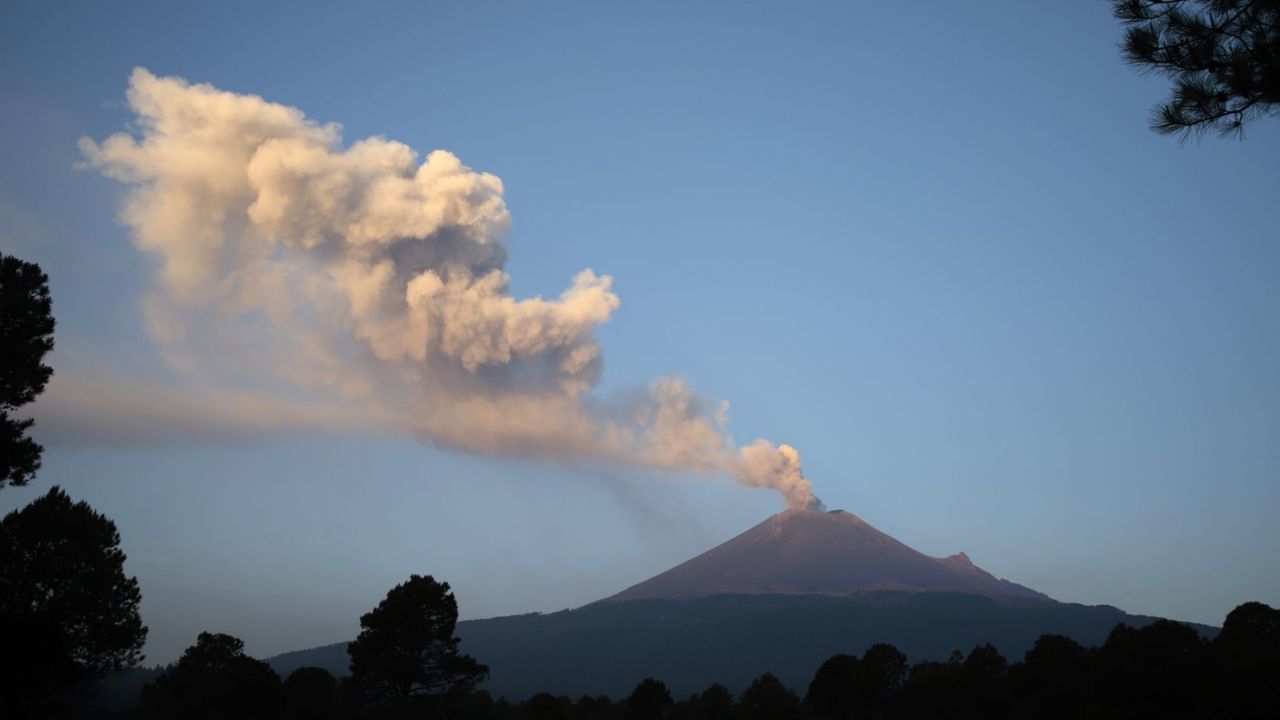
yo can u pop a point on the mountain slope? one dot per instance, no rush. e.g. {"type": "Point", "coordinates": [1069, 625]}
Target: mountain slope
{"type": "Point", "coordinates": [607, 647]}
{"type": "Point", "coordinates": [781, 597]}
{"type": "Point", "coordinates": [820, 553]}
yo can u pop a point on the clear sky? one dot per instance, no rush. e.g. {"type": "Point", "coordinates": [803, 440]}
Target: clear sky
{"type": "Point", "coordinates": [933, 246]}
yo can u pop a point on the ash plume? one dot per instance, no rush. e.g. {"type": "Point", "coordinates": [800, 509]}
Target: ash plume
{"type": "Point", "coordinates": [365, 274]}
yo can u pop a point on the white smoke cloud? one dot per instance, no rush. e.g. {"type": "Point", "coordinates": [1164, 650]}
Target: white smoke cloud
{"type": "Point", "coordinates": [363, 273]}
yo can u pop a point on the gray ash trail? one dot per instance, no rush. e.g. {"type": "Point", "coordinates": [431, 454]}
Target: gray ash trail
{"type": "Point", "coordinates": [363, 274]}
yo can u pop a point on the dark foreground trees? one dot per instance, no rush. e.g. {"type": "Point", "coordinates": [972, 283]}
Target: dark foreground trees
{"type": "Point", "coordinates": [311, 693]}
{"type": "Point", "coordinates": [1223, 57]}
{"type": "Point", "coordinates": [68, 612]}
{"type": "Point", "coordinates": [766, 698]}
{"type": "Point", "coordinates": [847, 687]}
{"type": "Point", "coordinates": [1247, 653]}
{"type": "Point", "coordinates": [26, 334]}
{"type": "Point", "coordinates": [714, 703]}
{"type": "Point", "coordinates": [405, 663]}
{"type": "Point", "coordinates": [406, 657]}
{"type": "Point", "coordinates": [831, 690]}
{"type": "Point", "coordinates": [650, 700]}
{"type": "Point", "coordinates": [1164, 670]}
{"type": "Point", "coordinates": [215, 680]}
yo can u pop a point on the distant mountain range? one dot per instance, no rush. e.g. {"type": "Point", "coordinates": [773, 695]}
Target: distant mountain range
{"type": "Point", "coordinates": [782, 597]}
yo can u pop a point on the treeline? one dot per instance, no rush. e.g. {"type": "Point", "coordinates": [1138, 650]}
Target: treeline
{"type": "Point", "coordinates": [1165, 669]}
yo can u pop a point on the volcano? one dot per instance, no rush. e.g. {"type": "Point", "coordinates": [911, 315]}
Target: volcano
{"type": "Point", "coordinates": [781, 597]}
{"type": "Point", "coordinates": [811, 552]}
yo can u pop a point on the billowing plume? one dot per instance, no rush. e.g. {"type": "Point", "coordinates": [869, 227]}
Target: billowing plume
{"type": "Point", "coordinates": [368, 274]}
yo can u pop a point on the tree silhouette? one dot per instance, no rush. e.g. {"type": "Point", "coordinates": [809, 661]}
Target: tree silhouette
{"type": "Point", "coordinates": [26, 334]}
{"type": "Point", "coordinates": [68, 613]}
{"type": "Point", "coordinates": [649, 700]}
{"type": "Point", "coordinates": [1156, 670]}
{"type": "Point", "coordinates": [768, 699]}
{"type": "Point", "coordinates": [714, 703]}
{"type": "Point", "coordinates": [985, 678]}
{"type": "Point", "coordinates": [481, 706]}
{"type": "Point", "coordinates": [1222, 55]}
{"type": "Point", "coordinates": [1251, 630]}
{"type": "Point", "coordinates": [879, 675]}
{"type": "Point", "coordinates": [309, 693]}
{"type": "Point", "coordinates": [831, 691]}
{"type": "Point", "coordinates": [933, 689]}
{"type": "Point", "coordinates": [1248, 653]}
{"type": "Point", "coordinates": [406, 654]}
{"type": "Point", "coordinates": [593, 708]}
{"type": "Point", "coordinates": [1050, 681]}
{"type": "Point", "coordinates": [214, 680]}
{"type": "Point", "coordinates": [544, 706]}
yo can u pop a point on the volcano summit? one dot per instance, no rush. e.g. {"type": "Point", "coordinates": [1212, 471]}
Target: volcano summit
{"type": "Point", "coordinates": [810, 552]}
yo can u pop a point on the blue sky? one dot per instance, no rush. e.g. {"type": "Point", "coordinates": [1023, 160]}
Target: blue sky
{"type": "Point", "coordinates": [935, 248]}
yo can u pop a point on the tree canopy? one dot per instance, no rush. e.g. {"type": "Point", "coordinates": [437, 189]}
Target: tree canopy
{"type": "Point", "coordinates": [69, 613]}
{"type": "Point", "coordinates": [1162, 669]}
{"type": "Point", "coordinates": [766, 698]}
{"type": "Point", "coordinates": [310, 693]}
{"type": "Point", "coordinates": [649, 700]}
{"type": "Point", "coordinates": [214, 679]}
{"type": "Point", "coordinates": [406, 652]}
{"type": "Point", "coordinates": [831, 691]}
{"type": "Point", "coordinates": [1222, 55]}
{"type": "Point", "coordinates": [26, 335]}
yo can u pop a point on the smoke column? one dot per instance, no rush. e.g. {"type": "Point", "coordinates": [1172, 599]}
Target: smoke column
{"type": "Point", "coordinates": [367, 274]}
